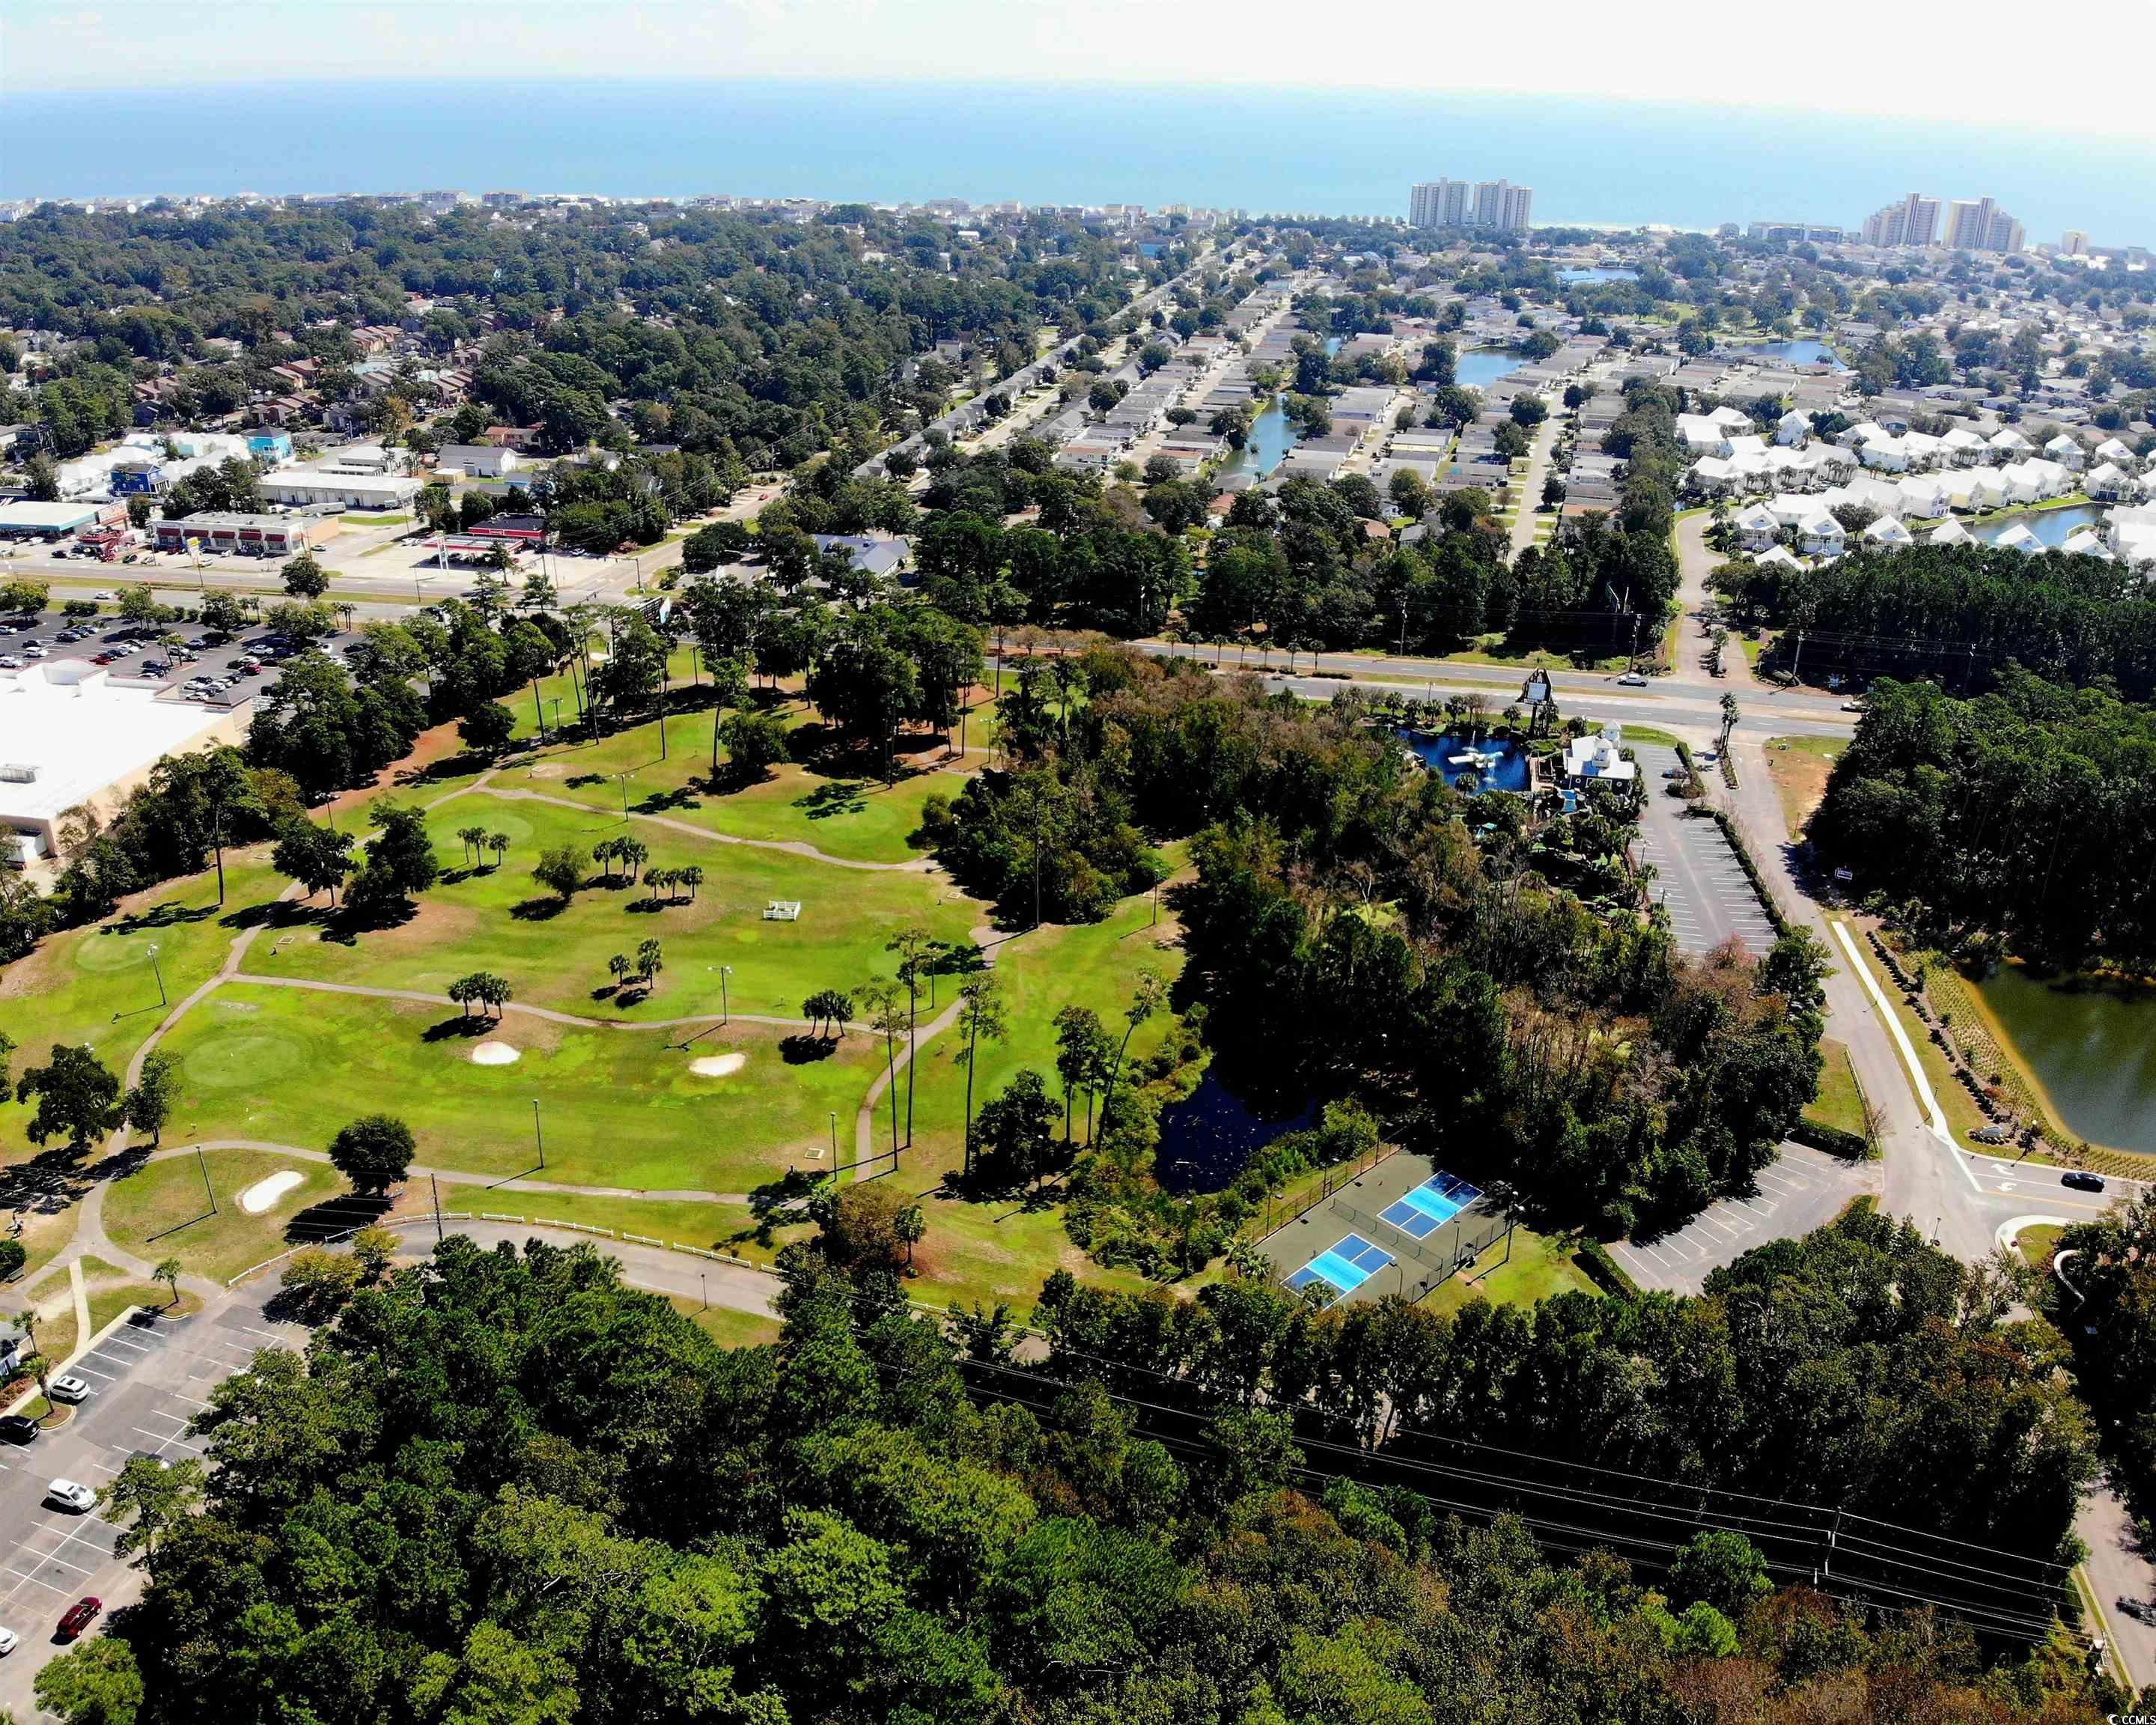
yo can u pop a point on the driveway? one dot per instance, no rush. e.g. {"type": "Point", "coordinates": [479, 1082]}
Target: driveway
{"type": "Point", "coordinates": [146, 1382]}
{"type": "Point", "coordinates": [1696, 873]}
{"type": "Point", "coordinates": [1804, 1189]}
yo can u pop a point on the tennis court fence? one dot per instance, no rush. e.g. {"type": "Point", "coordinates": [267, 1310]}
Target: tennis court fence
{"type": "Point", "coordinates": [1447, 1249]}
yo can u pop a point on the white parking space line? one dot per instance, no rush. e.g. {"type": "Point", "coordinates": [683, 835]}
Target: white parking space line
{"type": "Point", "coordinates": [34, 1582]}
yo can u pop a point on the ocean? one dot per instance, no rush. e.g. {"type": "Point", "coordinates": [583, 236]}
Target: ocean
{"type": "Point", "coordinates": [1326, 152]}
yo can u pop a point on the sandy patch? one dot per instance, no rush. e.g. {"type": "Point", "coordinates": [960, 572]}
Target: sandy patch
{"type": "Point", "coordinates": [265, 1192]}
{"type": "Point", "coordinates": [718, 1066]}
{"type": "Point", "coordinates": [495, 1054]}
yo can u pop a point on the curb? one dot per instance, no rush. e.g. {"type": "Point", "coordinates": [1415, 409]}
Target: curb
{"type": "Point", "coordinates": [90, 1347]}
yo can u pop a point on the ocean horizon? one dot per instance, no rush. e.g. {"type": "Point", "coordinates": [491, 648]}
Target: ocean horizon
{"type": "Point", "coordinates": [1265, 150]}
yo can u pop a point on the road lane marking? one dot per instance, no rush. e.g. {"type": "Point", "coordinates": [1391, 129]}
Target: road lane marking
{"type": "Point", "coordinates": [1908, 1053]}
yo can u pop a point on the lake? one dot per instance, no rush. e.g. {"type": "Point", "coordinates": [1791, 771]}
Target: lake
{"type": "Point", "coordinates": [1271, 437]}
{"type": "Point", "coordinates": [1579, 278]}
{"type": "Point", "coordinates": [2091, 1045]}
{"type": "Point", "coordinates": [1507, 772]}
{"type": "Point", "coordinates": [1481, 367]}
{"type": "Point", "coordinates": [2054, 526]}
{"type": "Point", "coordinates": [1207, 1137]}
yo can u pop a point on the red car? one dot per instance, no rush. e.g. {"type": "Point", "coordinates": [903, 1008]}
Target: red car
{"type": "Point", "coordinates": [80, 1616]}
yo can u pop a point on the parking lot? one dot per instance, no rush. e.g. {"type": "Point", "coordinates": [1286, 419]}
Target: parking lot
{"type": "Point", "coordinates": [1698, 876]}
{"type": "Point", "coordinates": [131, 652]}
{"type": "Point", "coordinates": [1804, 1189]}
{"type": "Point", "coordinates": [147, 1379]}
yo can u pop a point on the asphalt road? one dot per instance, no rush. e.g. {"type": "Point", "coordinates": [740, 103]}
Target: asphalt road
{"type": "Point", "coordinates": [147, 1383]}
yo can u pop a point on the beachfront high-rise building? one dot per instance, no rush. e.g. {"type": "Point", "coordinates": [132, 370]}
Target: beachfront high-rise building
{"type": "Point", "coordinates": [1496, 204]}
{"type": "Point", "coordinates": [2075, 244]}
{"type": "Point", "coordinates": [1967, 224]}
{"type": "Point", "coordinates": [1440, 204]}
{"type": "Point", "coordinates": [1912, 221]}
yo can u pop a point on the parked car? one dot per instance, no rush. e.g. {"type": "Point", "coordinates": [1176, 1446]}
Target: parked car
{"type": "Point", "coordinates": [2000, 1131]}
{"type": "Point", "coordinates": [8, 1639]}
{"type": "Point", "coordinates": [70, 1494]}
{"type": "Point", "coordinates": [70, 1388]}
{"type": "Point", "coordinates": [34, 651]}
{"type": "Point", "coordinates": [2081, 1181]}
{"type": "Point", "coordinates": [79, 1616]}
{"type": "Point", "coordinates": [17, 1429]}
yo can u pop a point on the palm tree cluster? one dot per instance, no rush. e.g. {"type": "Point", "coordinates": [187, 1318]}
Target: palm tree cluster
{"type": "Point", "coordinates": [631, 853]}
{"type": "Point", "coordinates": [491, 992]}
{"type": "Point", "coordinates": [691, 877]}
{"type": "Point", "coordinates": [477, 841]}
{"type": "Point", "coordinates": [643, 969]}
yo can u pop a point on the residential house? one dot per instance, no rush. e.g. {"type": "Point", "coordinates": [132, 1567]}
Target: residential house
{"type": "Point", "coordinates": [1756, 527]}
{"type": "Point", "coordinates": [1819, 535]}
{"type": "Point", "coordinates": [2086, 542]}
{"type": "Point", "coordinates": [1888, 534]}
{"type": "Point", "coordinates": [1921, 496]}
{"type": "Point", "coordinates": [1964, 448]}
{"type": "Point", "coordinates": [479, 460]}
{"type": "Point", "coordinates": [2107, 483]}
{"type": "Point", "coordinates": [2067, 452]}
{"type": "Point", "coordinates": [2018, 537]}
{"type": "Point", "coordinates": [1794, 431]}
{"type": "Point", "coordinates": [2008, 444]}
{"type": "Point", "coordinates": [1949, 533]}
{"type": "Point", "coordinates": [1596, 757]}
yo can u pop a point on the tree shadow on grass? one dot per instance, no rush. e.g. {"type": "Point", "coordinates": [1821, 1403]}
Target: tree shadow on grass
{"type": "Point", "coordinates": [802, 1048]}
{"type": "Point", "coordinates": [659, 802]}
{"type": "Point", "coordinates": [466, 1024]}
{"type": "Point", "coordinates": [544, 908]}
{"type": "Point", "coordinates": [581, 781]}
{"type": "Point", "coordinates": [334, 1216]}
{"type": "Point", "coordinates": [838, 796]}
{"type": "Point", "coordinates": [160, 916]}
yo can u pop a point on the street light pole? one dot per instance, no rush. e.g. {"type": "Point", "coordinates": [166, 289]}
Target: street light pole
{"type": "Point", "coordinates": [725, 1007]}
{"type": "Point", "coordinates": [207, 1188]}
{"type": "Point", "coordinates": [835, 1137]}
{"type": "Point", "coordinates": [159, 971]}
{"type": "Point", "coordinates": [537, 1137]}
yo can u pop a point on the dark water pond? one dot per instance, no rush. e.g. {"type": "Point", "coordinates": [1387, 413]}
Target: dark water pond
{"type": "Point", "coordinates": [1206, 1138]}
{"type": "Point", "coordinates": [1499, 764]}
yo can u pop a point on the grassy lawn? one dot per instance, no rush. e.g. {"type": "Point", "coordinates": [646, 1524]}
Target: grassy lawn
{"type": "Point", "coordinates": [1647, 733]}
{"type": "Point", "coordinates": [1539, 1267]}
{"type": "Point", "coordinates": [503, 920]}
{"type": "Point", "coordinates": [97, 985]}
{"type": "Point", "coordinates": [1799, 766]}
{"type": "Point", "coordinates": [1840, 1102]}
{"type": "Point", "coordinates": [730, 1328]}
{"type": "Point", "coordinates": [1039, 972]}
{"type": "Point", "coordinates": [616, 1109]}
{"type": "Point", "coordinates": [168, 1195]}
{"type": "Point", "coordinates": [1963, 1115]}
{"type": "Point", "coordinates": [2036, 1244]}
{"type": "Point", "coordinates": [858, 818]}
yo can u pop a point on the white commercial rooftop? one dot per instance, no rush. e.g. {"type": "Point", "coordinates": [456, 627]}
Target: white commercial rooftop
{"type": "Point", "coordinates": [23, 516]}
{"type": "Point", "coordinates": [67, 731]}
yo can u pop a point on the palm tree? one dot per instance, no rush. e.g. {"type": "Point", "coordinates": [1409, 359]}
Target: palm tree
{"type": "Point", "coordinates": [692, 877]}
{"type": "Point", "coordinates": [474, 840]}
{"type": "Point", "coordinates": [604, 852]}
{"type": "Point", "coordinates": [498, 842]}
{"type": "Point", "coordinates": [983, 1015]}
{"type": "Point", "coordinates": [1729, 716]}
{"type": "Point", "coordinates": [648, 962]}
{"type": "Point", "coordinates": [633, 855]}
{"type": "Point", "coordinates": [1145, 1000]}
{"type": "Point", "coordinates": [168, 1272]}
{"type": "Point", "coordinates": [620, 966]}
{"type": "Point", "coordinates": [39, 1367]}
{"type": "Point", "coordinates": [880, 999]}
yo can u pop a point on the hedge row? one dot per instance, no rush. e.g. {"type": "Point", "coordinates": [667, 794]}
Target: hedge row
{"type": "Point", "coordinates": [1832, 1139]}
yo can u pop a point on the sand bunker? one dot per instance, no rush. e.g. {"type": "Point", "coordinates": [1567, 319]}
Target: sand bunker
{"type": "Point", "coordinates": [495, 1054]}
{"type": "Point", "coordinates": [264, 1193]}
{"type": "Point", "coordinates": [718, 1066]}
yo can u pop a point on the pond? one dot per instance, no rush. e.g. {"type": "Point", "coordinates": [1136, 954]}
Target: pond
{"type": "Point", "coordinates": [1481, 367]}
{"type": "Point", "coordinates": [2091, 1045]}
{"type": "Point", "coordinates": [1496, 764]}
{"type": "Point", "coordinates": [1805, 351]}
{"type": "Point", "coordinates": [2054, 526]}
{"type": "Point", "coordinates": [1271, 437]}
{"type": "Point", "coordinates": [1206, 1138]}
{"type": "Point", "coordinates": [1582, 277]}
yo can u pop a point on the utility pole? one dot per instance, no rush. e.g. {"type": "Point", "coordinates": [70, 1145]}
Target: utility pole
{"type": "Point", "coordinates": [435, 1186]}
{"type": "Point", "coordinates": [1797, 658]}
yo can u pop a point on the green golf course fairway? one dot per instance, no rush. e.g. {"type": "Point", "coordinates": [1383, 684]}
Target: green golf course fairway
{"type": "Point", "coordinates": [556, 956]}
{"type": "Point", "coordinates": [617, 1108]}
